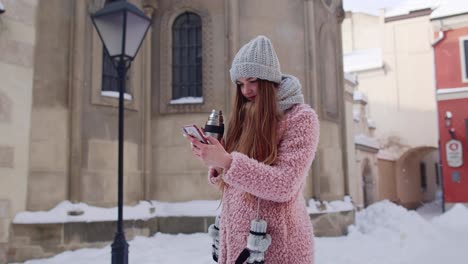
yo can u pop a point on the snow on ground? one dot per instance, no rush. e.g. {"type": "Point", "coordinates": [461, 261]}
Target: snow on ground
{"type": "Point", "coordinates": [160, 249]}
{"type": "Point", "coordinates": [384, 234]}
{"type": "Point", "coordinates": [430, 210]}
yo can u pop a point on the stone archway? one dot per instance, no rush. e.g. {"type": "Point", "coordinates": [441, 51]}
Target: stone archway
{"type": "Point", "coordinates": [414, 170]}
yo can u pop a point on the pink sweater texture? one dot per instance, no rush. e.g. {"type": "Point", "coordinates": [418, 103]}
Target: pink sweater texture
{"type": "Point", "coordinates": [279, 186]}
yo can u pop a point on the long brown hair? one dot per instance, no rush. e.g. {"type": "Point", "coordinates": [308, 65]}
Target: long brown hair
{"type": "Point", "coordinates": [252, 125]}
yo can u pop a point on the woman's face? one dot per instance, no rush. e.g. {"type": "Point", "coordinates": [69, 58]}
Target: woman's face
{"type": "Point", "coordinates": [249, 87]}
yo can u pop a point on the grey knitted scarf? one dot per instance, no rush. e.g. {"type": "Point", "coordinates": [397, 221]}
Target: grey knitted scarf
{"type": "Point", "coordinates": [289, 92]}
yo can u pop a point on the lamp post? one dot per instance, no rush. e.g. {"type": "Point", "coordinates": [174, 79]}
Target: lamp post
{"type": "Point", "coordinates": [448, 119]}
{"type": "Point", "coordinates": [2, 8]}
{"type": "Point", "coordinates": [122, 28]}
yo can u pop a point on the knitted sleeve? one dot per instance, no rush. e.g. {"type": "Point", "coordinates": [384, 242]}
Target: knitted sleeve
{"type": "Point", "coordinates": [281, 181]}
{"type": "Point", "coordinates": [213, 176]}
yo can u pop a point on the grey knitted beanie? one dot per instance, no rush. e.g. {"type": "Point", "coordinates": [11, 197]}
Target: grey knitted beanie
{"type": "Point", "coordinates": [256, 59]}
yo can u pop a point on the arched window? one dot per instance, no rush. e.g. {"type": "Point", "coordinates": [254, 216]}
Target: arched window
{"type": "Point", "coordinates": [187, 56]}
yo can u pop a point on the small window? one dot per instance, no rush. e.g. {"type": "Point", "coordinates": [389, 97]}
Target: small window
{"type": "Point", "coordinates": [422, 167]}
{"type": "Point", "coordinates": [437, 177]}
{"type": "Point", "coordinates": [110, 78]}
{"type": "Point", "coordinates": [187, 56]}
{"type": "Point", "coordinates": [464, 58]}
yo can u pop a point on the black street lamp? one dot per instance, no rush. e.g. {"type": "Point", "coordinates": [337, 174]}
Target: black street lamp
{"type": "Point", "coordinates": [122, 28]}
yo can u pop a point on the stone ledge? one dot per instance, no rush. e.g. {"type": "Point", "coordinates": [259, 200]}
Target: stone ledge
{"type": "Point", "coordinates": [29, 241]}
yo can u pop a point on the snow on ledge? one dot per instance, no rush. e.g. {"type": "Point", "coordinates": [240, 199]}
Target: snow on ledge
{"type": "Point", "coordinates": [386, 155]}
{"type": "Point", "coordinates": [115, 94]}
{"type": "Point", "coordinates": [142, 211]}
{"type": "Point", "coordinates": [356, 115]}
{"type": "Point", "coordinates": [145, 210]}
{"type": "Point", "coordinates": [366, 141]}
{"type": "Point", "coordinates": [452, 90]}
{"type": "Point", "coordinates": [360, 96]}
{"type": "Point", "coordinates": [187, 100]}
{"type": "Point", "coordinates": [351, 77]}
{"type": "Point", "coordinates": [371, 123]}
{"type": "Point", "coordinates": [328, 207]}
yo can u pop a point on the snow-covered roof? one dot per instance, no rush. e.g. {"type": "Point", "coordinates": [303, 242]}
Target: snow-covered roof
{"type": "Point", "coordinates": [370, 7]}
{"type": "Point", "coordinates": [2, 7]}
{"type": "Point", "coordinates": [408, 6]}
{"type": "Point", "coordinates": [366, 141]}
{"type": "Point", "coordinates": [449, 8]}
{"type": "Point", "coordinates": [362, 60]}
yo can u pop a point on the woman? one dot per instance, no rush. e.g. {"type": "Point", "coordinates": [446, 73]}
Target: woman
{"type": "Point", "coordinates": [271, 141]}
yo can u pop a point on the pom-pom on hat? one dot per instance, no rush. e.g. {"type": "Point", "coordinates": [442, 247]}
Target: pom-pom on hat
{"type": "Point", "coordinates": [256, 59]}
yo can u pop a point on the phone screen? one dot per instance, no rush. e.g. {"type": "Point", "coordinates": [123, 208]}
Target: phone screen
{"type": "Point", "coordinates": [195, 132]}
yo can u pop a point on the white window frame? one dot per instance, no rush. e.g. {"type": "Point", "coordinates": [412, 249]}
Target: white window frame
{"type": "Point", "coordinates": [463, 63]}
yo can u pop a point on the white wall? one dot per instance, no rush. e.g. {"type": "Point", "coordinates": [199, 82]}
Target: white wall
{"type": "Point", "coordinates": [401, 95]}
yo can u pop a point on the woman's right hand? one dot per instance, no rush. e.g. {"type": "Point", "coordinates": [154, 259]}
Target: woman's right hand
{"type": "Point", "coordinates": [221, 141]}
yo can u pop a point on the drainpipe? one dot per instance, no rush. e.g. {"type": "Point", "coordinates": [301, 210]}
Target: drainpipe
{"type": "Point", "coordinates": [440, 37]}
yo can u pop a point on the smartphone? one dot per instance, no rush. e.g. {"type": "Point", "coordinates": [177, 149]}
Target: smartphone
{"type": "Point", "coordinates": [194, 131]}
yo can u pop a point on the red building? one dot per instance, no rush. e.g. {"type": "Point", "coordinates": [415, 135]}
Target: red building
{"type": "Point", "coordinates": [451, 72]}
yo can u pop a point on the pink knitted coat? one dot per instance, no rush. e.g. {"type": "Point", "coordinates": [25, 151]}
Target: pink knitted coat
{"type": "Point", "coordinates": [280, 188]}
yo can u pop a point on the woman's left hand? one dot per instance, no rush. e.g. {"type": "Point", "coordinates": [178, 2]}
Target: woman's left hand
{"type": "Point", "coordinates": [213, 154]}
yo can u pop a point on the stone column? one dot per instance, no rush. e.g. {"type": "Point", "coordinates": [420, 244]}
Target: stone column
{"type": "Point", "coordinates": [325, 80]}
{"type": "Point", "coordinates": [149, 7]}
{"type": "Point", "coordinates": [232, 22]}
{"type": "Point", "coordinates": [311, 82]}
{"type": "Point", "coordinates": [76, 86]}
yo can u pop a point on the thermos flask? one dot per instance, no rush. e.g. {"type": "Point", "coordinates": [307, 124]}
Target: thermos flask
{"type": "Point", "coordinates": [215, 125]}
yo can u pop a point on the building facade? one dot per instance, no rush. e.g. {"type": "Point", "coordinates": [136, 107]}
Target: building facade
{"type": "Point", "coordinates": [365, 181]}
{"type": "Point", "coordinates": [391, 55]}
{"type": "Point", "coordinates": [450, 23]}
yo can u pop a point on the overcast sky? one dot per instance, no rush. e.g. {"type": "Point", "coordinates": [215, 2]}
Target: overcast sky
{"type": "Point", "coordinates": [370, 6]}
